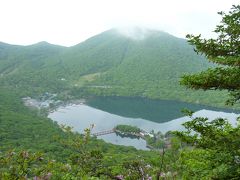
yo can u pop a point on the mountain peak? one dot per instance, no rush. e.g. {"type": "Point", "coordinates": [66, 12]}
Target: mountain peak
{"type": "Point", "coordinates": [41, 43]}
{"type": "Point", "coordinates": [140, 33]}
{"type": "Point", "coordinates": [44, 44]}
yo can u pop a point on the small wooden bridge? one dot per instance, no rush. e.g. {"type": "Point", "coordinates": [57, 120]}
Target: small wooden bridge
{"type": "Point", "coordinates": [103, 132]}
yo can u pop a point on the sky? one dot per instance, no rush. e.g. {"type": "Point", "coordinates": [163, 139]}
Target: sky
{"type": "Point", "coordinates": [69, 22]}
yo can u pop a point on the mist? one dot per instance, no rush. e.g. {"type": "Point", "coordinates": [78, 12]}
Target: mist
{"type": "Point", "coordinates": [69, 23]}
{"type": "Point", "coordinates": [134, 32]}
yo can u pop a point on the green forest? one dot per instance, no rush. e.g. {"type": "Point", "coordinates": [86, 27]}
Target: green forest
{"type": "Point", "coordinates": [32, 146]}
{"type": "Point", "coordinates": [108, 64]}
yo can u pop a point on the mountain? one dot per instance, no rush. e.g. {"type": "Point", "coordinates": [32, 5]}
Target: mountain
{"type": "Point", "coordinates": [140, 62]}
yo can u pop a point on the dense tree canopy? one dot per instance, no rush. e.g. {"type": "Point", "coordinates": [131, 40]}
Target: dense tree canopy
{"type": "Point", "coordinates": [215, 144]}
{"type": "Point", "coordinates": [224, 51]}
{"type": "Point", "coordinates": [216, 150]}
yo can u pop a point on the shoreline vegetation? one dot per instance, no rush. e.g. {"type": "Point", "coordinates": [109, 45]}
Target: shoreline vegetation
{"type": "Point", "coordinates": [154, 141]}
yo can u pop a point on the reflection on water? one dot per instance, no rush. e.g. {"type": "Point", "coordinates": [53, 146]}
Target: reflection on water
{"type": "Point", "coordinates": [115, 139]}
{"type": "Point", "coordinates": [81, 116]}
{"type": "Point", "coordinates": [152, 110]}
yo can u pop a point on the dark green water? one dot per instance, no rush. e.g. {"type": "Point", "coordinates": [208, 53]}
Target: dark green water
{"type": "Point", "coordinates": [153, 110]}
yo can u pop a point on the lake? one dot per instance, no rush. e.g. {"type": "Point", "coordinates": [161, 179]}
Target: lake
{"type": "Point", "coordinates": [158, 115]}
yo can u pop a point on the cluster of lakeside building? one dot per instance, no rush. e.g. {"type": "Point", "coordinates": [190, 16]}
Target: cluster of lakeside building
{"type": "Point", "coordinates": [44, 101]}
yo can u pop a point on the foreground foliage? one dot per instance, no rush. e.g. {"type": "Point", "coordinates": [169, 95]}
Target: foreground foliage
{"type": "Point", "coordinates": [215, 153]}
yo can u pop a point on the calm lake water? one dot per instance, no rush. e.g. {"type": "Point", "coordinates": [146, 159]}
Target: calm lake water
{"type": "Point", "coordinates": [157, 115]}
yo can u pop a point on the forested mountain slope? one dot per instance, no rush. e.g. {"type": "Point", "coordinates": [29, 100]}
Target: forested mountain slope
{"type": "Point", "coordinates": [152, 67]}
{"type": "Point", "coordinates": [143, 63]}
{"type": "Point", "coordinates": [30, 68]}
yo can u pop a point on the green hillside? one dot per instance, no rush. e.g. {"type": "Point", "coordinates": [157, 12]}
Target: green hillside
{"type": "Point", "coordinates": [107, 64]}
{"type": "Point", "coordinates": [136, 63]}
{"type": "Point", "coordinates": [32, 69]}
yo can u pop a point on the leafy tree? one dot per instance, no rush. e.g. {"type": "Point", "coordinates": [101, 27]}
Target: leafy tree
{"type": "Point", "coordinates": [224, 51]}
{"type": "Point", "coordinates": [216, 149]}
{"type": "Point", "coordinates": [214, 152]}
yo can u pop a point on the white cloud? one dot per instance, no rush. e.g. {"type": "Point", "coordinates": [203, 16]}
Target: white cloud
{"type": "Point", "coordinates": [69, 22]}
